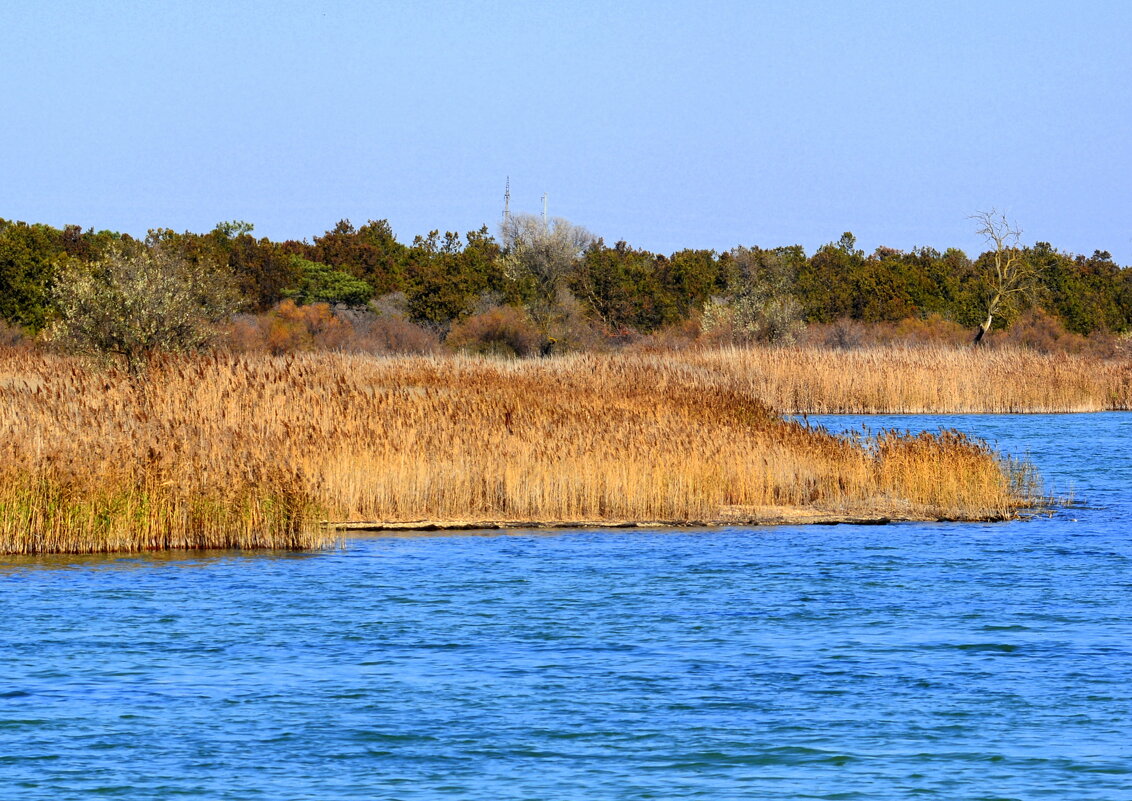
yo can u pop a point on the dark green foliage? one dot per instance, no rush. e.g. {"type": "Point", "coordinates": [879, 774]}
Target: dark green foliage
{"type": "Point", "coordinates": [263, 269]}
{"type": "Point", "coordinates": [826, 283]}
{"type": "Point", "coordinates": [690, 277]}
{"type": "Point", "coordinates": [618, 290]}
{"type": "Point", "coordinates": [321, 283]}
{"type": "Point", "coordinates": [1082, 292]}
{"type": "Point", "coordinates": [371, 253]}
{"type": "Point", "coordinates": [444, 279]}
{"type": "Point", "coordinates": [29, 257]}
{"type": "Point", "coordinates": [623, 287]}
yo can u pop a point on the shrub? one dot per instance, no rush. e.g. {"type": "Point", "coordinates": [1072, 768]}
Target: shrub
{"type": "Point", "coordinates": [504, 331]}
{"type": "Point", "coordinates": [11, 336]}
{"type": "Point", "coordinates": [392, 334]}
{"type": "Point", "coordinates": [139, 301]}
{"type": "Point", "coordinates": [289, 328]}
{"type": "Point", "coordinates": [752, 317]}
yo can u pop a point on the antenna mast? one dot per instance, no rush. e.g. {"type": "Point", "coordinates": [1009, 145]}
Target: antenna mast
{"type": "Point", "coordinates": [507, 201]}
{"type": "Point", "coordinates": [544, 209]}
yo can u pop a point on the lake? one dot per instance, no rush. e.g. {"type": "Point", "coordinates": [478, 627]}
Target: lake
{"type": "Point", "coordinates": [950, 661]}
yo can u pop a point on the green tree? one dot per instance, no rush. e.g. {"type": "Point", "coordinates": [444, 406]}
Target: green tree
{"type": "Point", "coordinates": [321, 283]}
{"type": "Point", "coordinates": [29, 257]}
{"type": "Point", "coordinates": [445, 279]}
{"type": "Point", "coordinates": [826, 281]}
{"type": "Point", "coordinates": [371, 253]}
{"type": "Point", "coordinates": [690, 278]}
{"type": "Point", "coordinates": [622, 288]}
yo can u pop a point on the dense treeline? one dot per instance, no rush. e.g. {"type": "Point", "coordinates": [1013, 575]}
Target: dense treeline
{"type": "Point", "coordinates": [564, 285]}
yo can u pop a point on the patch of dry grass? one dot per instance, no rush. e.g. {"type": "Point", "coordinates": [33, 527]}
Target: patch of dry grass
{"type": "Point", "coordinates": [922, 380]}
{"type": "Point", "coordinates": [249, 452]}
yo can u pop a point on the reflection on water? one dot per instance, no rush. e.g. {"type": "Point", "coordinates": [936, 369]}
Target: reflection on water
{"type": "Point", "coordinates": [149, 560]}
{"type": "Point", "coordinates": [960, 661]}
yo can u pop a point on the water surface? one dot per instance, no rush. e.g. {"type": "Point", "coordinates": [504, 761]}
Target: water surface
{"type": "Point", "coordinates": [954, 661]}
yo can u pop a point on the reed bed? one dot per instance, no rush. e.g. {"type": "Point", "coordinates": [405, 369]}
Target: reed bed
{"type": "Point", "coordinates": [252, 452]}
{"type": "Point", "coordinates": [924, 380]}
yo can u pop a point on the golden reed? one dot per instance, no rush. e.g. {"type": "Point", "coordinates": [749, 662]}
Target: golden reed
{"type": "Point", "coordinates": [252, 452]}
{"type": "Point", "coordinates": [924, 380]}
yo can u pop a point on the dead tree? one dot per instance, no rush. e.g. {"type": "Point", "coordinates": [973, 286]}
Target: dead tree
{"type": "Point", "coordinates": [1009, 275]}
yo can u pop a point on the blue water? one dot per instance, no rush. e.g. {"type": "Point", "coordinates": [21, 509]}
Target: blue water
{"type": "Point", "coordinates": [941, 661]}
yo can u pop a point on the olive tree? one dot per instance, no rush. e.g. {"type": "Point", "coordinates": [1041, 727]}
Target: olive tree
{"type": "Point", "coordinates": [140, 300]}
{"type": "Point", "coordinates": [1009, 274]}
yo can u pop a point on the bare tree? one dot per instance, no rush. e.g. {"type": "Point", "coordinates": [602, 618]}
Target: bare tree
{"type": "Point", "coordinates": [139, 300]}
{"type": "Point", "coordinates": [542, 253]}
{"type": "Point", "coordinates": [1010, 274]}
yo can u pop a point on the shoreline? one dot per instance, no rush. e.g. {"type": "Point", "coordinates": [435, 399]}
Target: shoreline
{"type": "Point", "coordinates": [765, 517]}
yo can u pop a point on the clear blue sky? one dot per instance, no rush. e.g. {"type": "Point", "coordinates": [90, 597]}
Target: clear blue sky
{"type": "Point", "coordinates": [669, 125]}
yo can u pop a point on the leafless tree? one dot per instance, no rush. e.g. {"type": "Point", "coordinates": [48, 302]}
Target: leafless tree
{"type": "Point", "coordinates": [543, 253]}
{"type": "Point", "coordinates": [1010, 274]}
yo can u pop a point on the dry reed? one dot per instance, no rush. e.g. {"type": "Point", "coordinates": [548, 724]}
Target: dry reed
{"type": "Point", "coordinates": [925, 380]}
{"type": "Point", "coordinates": [249, 452]}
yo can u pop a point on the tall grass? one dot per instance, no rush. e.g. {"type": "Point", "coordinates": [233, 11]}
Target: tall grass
{"type": "Point", "coordinates": [920, 380]}
{"type": "Point", "coordinates": [249, 452]}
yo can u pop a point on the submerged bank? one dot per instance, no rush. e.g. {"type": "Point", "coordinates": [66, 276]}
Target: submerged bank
{"type": "Point", "coordinates": [747, 516]}
{"type": "Point", "coordinates": [252, 452]}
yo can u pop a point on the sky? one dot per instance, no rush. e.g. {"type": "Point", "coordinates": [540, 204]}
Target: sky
{"type": "Point", "coordinates": [669, 125]}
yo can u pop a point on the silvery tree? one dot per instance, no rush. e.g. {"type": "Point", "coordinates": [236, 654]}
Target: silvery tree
{"type": "Point", "coordinates": [139, 300]}
{"type": "Point", "coordinates": [540, 255]}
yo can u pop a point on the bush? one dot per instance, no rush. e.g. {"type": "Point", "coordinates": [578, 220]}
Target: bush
{"type": "Point", "coordinates": [1041, 332]}
{"type": "Point", "coordinates": [847, 334]}
{"type": "Point", "coordinates": [139, 301]}
{"type": "Point", "coordinates": [752, 317]}
{"type": "Point", "coordinates": [393, 334]}
{"type": "Point", "coordinates": [503, 331]}
{"type": "Point", "coordinates": [11, 336]}
{"type": "Point", "coordinates": [288, 328]}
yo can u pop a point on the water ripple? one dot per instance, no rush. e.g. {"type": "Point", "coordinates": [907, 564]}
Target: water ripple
{"type": "Point", "coordinates": [947, 661]}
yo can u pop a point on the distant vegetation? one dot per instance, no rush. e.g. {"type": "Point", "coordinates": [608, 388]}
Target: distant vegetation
{"type": "Point", "coordinates": [556, 288]}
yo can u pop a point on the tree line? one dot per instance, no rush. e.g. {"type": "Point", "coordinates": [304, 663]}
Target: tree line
{"type": "Point", "coordinates": [563, 279]}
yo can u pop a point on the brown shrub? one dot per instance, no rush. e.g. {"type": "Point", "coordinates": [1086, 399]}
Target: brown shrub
{"type": "Point", "coordinates": [11, 336]}
{"type": "Point", "coordinates": [392, 334]}
{"type": "Point", "coordinates": [847, 334]}
{"type": "Point", "coordinates": [1042, 332]}
{"type": "Point", "coordinates": [502, 331]}
{"type": "Point", "coordinates": [289, 328]}
{"type": "Point", "coordinates": [676, 336]}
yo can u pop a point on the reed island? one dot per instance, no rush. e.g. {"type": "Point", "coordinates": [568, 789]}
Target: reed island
{"type": "Point", "coordinates": [260, 451]}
